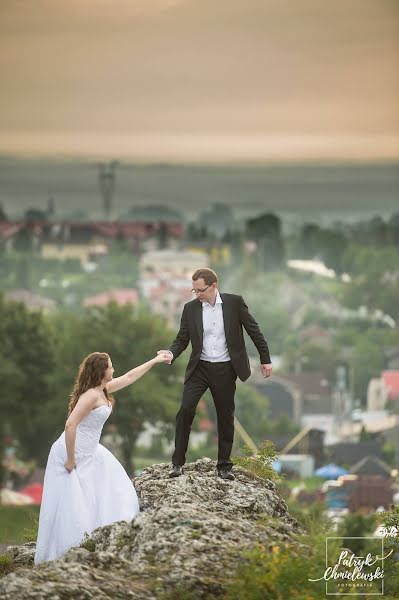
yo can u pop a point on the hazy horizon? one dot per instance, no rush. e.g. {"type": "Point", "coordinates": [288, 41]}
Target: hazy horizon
{"type": "Point", "coordinates": [204, 149]}
{"type": "Point", "coordinates": [298, 192]}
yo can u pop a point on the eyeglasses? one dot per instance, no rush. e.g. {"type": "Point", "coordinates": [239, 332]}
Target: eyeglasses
{"type": "Point", "coordinates": [200, 291]}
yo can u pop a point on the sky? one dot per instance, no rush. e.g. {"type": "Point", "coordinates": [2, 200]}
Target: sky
{"type": "Point", "coordinates": [200, 80]}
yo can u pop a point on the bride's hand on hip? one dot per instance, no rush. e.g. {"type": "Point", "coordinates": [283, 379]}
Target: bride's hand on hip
{"type": "Point", "coordinates": [70, 465]}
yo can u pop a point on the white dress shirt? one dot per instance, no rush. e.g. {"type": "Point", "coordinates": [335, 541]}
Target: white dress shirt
{"type": "Point", "coordinates": [214, 347]}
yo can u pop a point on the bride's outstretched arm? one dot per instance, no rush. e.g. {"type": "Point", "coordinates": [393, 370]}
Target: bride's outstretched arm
{"type": "Point", "coordinates": [82, 408]}
{"type": "Point", "coordinates": [131, 376]}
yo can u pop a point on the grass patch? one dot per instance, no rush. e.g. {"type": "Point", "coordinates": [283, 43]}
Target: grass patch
{"type": "Point", "coordinates": [18, 524]}
{"type": "Point", "coordinates": [6, 564]}
{"type": "Point", "coordinates": [310, 484]}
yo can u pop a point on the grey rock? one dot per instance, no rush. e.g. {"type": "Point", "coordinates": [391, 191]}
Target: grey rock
{"type": "Point", "coordinates": [189, 536]}
{"type": "Point", "coordinates": [24, 555]}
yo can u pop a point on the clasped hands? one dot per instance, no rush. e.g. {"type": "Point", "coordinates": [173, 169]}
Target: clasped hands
{"type": "Point", "coordinates": [167, 355]}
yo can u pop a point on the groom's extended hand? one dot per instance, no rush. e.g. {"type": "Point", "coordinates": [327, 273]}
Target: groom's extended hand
{"type": "Point", "coordinates": [167, 354]}
{"type": "Point", "coordinates": [266, 370]}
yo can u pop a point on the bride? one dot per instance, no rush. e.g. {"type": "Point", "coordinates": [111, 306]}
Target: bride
{"type": "Point", "coordinates": [84, 485]}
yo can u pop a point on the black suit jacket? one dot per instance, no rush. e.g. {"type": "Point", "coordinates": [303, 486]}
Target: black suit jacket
{"type": "Point", "coordinates": [235, 317]}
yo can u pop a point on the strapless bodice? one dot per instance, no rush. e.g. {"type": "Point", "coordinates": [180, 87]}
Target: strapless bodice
{"type": "Point", "coordinates": [89, 430]}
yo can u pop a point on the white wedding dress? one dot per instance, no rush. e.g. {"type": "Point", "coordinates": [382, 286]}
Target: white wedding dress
{"type": "Point", "coordinates": [96, 493]}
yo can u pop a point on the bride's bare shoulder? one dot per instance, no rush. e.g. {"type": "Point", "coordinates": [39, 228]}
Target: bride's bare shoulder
{"type": "Point", "coordinates": [90, 392]}
{"type": "Point", "coordinates": [89, 396]}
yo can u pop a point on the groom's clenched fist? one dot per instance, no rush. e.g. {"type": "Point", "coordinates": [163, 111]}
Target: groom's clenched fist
{"type": "Point", "coordinates": [167, 354]}
{"type": "Point", "coordinates": [266, 370]}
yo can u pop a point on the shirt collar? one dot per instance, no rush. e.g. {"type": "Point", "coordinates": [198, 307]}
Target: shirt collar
{"type": "Point", "coordinates": [218, 301]}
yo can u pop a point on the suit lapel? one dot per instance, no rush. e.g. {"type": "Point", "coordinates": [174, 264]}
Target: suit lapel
{"type": "Point", "coordinates": [198, 319]}
{"type": "Point", "coordinates": [226, 313]}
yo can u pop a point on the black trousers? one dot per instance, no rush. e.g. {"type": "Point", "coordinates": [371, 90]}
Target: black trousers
{"type": "Point", "coordinates": [220, 378]}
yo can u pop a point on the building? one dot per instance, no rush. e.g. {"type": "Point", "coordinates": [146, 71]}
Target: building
{"type": "Point", "coordinates": [120, 296]}
{"type": "Point", "coordinates": [301, 465]}
{"type": "Point", "coordinates": [219, 253]}
{"type": "Point", "coordinates": [165, 280]}
{"type": "Point", "coordinates": [79, 241]}
{"type": "Point", "coordinates": [371, 466]}
{"type": "Point", "coordinates": [376, 394]}
{"type": "Point", "coordinates": [350, 453]}
{"type": "Point", "coordinates": [358, 493]}
{"type": "Point", "coordinates": [85, 241]}
{"type": "Point", "coordinates": [180, 263]}
{"type": "Point", "coordinates": [297, 395]}
{"type": "Point", "coordinates": [382, 390]}
{"type": "Point", "coordinates": [31, 301]}
{"type": "Point", "coordinates": [390, 380]}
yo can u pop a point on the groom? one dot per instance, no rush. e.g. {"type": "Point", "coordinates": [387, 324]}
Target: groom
{"type": "Point", "coordinates": [213, 323]}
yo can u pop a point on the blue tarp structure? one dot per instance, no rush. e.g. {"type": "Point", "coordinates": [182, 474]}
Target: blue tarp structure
{"type": "Point", "coordinates": [338, 497]}
{"type": "Point", "coordinates": [331, 471]}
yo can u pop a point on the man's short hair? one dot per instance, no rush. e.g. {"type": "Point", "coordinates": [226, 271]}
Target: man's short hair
{"type": "Point", "coordinates": [207, 275]}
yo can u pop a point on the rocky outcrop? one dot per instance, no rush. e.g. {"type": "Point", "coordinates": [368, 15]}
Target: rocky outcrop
{"type": "Point", "coordinates": [186, 543]}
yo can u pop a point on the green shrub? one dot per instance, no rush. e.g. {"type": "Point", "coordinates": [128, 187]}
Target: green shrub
{"type": "Point", "coordinates": [283, 571]}
{"type": "Point", "coordinates": [390, 519]}
{"type": "Point", "coordinates": [88, 544]}
{"type": "Point", "coordinates": [311, 517]}
{"type": "Point", "coordinates": [6, 564]}
{"type": "Point", "coordinates": [262, 463]}
{"type": "Point", "coordinates": [279, 573]}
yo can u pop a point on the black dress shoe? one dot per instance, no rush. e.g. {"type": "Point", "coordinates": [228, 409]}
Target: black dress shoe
{"type": "Point", "coordinates": [226, 474]}
{"type": "Point", "coordinates": [176, 471]}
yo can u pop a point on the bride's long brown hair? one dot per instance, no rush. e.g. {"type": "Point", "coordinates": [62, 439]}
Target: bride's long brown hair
{"type": "Point", "coordinates": [90, 375]}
